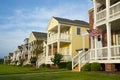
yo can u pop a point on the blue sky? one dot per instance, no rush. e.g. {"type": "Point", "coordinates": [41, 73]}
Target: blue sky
{"type": "Point", "coordinates": [19, 17]}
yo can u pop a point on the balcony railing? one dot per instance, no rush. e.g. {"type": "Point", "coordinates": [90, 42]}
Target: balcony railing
{"type": "Point", "coordinates": [62, 37]}
{"type": "Point", "coordinates": [102, 53]}
{"type": "Point", "coordinates": [101, 15]}
{"type": "Point", "coordinates": [114, 11]}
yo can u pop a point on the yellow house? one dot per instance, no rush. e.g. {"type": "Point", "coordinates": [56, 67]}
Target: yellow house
{"type": "Point", "coordinates": [37, 47]}
{"type": "Point", "coordinates": [65, 36]}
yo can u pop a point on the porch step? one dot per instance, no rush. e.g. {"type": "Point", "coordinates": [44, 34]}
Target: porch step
{"type": "Point", "coordinates": [76, 68]}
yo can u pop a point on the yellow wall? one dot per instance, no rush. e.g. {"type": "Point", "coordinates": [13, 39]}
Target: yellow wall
{"type": "Point", "coordinates": [63, 48]}
{"type": "Point", "coordinates": [31, 38]}
{"type": "Point", "coordinates": [77, 39]}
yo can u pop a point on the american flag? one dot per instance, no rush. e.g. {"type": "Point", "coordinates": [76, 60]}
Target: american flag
{"type": "Point", "coordinates": [95, 32]}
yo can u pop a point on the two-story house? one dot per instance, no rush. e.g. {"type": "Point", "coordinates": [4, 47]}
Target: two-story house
{"type": "Point", "coordinates": [37, 47]}
{"type": "Point", "coordinates": [65, 37]}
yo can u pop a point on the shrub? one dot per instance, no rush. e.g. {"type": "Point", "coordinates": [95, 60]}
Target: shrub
{"type": "Point", "coordinates": [95, 66]}
{"type": "Point", "coordinates": [62, 65]}
{"type": "Point", "coordinates": [33, 60]}
{"type": "Point", "coordinates": [69, 66]}
{"type": "Point", "coordinates": [43, 66]}
{"type": "Point", "coordinates": [47, 65]}
{"type": "Point", "coordinates": [86, 67]}
{"type": "Point", "coordinates": [57, 58]}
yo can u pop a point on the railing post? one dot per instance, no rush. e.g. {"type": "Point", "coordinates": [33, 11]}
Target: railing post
{"type": "Point", "coordinates": [72, 63]}
{"type": "Point", "coordinates": [96, 48]}
{"type": "Point", "coordinates": [79, 63]}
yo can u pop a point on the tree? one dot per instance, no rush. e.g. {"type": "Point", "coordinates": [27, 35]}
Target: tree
{"type": "Point", "coordinates": [37, 47]}
{"type": "Point", "coordinates": [33, 60]}
{"type": "Point", "coordinates": [57, 58]}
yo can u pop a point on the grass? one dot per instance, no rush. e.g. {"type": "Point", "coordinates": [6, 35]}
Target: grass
{"type": "Point", "coordinates": [7, 69]}
{"type": "Point", "coordinates": [62, 76]}
{"type": "Point", "coordinates": [51, 74]}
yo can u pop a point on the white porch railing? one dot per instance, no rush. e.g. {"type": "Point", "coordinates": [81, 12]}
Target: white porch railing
{"type": "Point", "coordinates": [101, 54]}
{"type": "Point", "coordinates": [41, 60]}
{"type": "Point", "coordinates": [114, 11]}
{"type": "Point", "coordinates": [48, 60]}
{"type": "Point", "coordinates": [101, 15]}
{"type": "Point", "coordinates": [80, 59]}
{"type": "Point", "coordinates": [63, 37]}
{"type": "Point", "coordinates": [115, 52]}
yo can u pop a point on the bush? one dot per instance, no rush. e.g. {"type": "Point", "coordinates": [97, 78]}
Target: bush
{"type": "Point", "coordinates": [69, 66]}
{"type": "Point", "coordinates": [42, 66]}
{"type": "Point", "coordinates": [86, 67]}
{"type": "Point", "coordinates": [62, 65]}
{"type": "Point", "coordinates": [95, 66]}
{"type": "Point", "coordinates": [33, 60]}
{"type": "Point", "coordinates": [57, 58]}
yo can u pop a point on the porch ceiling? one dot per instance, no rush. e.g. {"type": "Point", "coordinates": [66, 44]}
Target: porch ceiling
{"type": "Point", "coordinates": [61, 44]}
{"type": "Point", "coordinates": [104, 1]}
{"type": "Point", "coordinates": [101, 1]}
{"type": "Point", "coordinates": [115, 25]}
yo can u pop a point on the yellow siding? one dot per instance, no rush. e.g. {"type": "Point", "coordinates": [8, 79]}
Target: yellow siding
{"type": "Point", "coordinates": [77, 40]}
{"type": "Point", "coordinates": [31, 38]}
{"type": "Point", "coordinates": [63, 48]}
{"type": "Point", "coordinates": [52, 23]}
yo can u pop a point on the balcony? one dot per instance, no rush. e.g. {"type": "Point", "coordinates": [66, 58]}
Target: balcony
{"type": "Point", "coordinates": [114, 11]}
{"type": "Point", "coordinates": [63, 37]}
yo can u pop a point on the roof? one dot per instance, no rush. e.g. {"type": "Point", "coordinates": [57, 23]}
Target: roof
{"type": "Point", "coordinates": [72, 22]}
{"type": "Point", "coordinates": [10, 54]}
{"type": "Point", "coordinates": [40, 35]}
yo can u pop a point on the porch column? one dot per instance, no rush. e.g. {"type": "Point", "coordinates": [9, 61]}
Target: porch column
{"type": "Point", "coordinates": [58, 43]}
{"type": "Point", "coordinates": [95, 47]}
{"type": "Point", "coordinates": [95, 19]}
{"type": "Point", "coordinates": [108, 26]}
{"type": "Point", "coordinates": [52, 49]}
{"type": "Point", "coordinates": [95, 12]}
{"type": "Point", "coordinates": [91, 47]}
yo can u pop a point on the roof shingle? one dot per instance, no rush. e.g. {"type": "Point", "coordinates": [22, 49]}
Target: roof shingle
{"type": "Point", "coordinates": [40, 35]}
{"type": "Point", "coordinates": [72, 22]}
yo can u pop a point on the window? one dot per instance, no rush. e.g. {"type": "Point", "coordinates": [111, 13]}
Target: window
{"type": "Point", "coordinates": [78, 31]}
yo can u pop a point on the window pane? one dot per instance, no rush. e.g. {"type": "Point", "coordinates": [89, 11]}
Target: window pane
{"type": "Point", "coordinates": [78, 31]}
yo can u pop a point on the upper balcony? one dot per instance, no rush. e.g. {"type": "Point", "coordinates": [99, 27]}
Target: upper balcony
{"type": "Point", "coordinates": [114, 13]}
{"type": "Point", "coordinates": [62, 37]}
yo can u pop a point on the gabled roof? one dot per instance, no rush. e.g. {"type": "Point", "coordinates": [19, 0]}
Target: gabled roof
{"type": "Point", "coordinates": [10, 54]}
{"type": "Point", "coordinates": [72, 22]}
{"type": "Point", "coordinates": [40, 35]}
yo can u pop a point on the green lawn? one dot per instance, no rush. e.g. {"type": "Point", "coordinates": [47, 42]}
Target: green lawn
{"type": "Point", "coordinates": [7, 69]}
{"type": "Point", "coordinates": [51, 74]}
{"type": "Point", "coordinates": [62, 76]}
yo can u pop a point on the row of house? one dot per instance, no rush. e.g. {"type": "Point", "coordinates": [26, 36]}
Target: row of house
{"type": "Point", "coordinates": [78, 41]}
{"type": "Point", "coordinates": [61, 37]}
